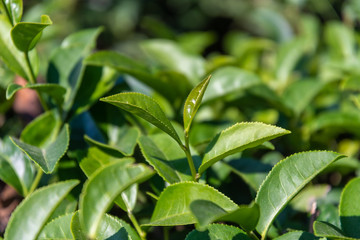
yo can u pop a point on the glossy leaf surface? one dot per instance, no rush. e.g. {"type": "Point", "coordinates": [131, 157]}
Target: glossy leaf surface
{"type": "Point", "coordinates": [173, 206]}
{"type": "Point", "coordinates": [55, 91]}
{"type": "Point", "coordinates": [285, 180]}
{"type": "Point", "coordinates": [218, 231]}
{"type": "Point", "coordinates": [207, 212]}
{"type": "Point", "coordinates": [144, 107]}
{"type": "Point", "coordinates": [238, 138]}
{"type": "Point", "coordinates": [58, 228]}
{"type": "Point", "coordinates": [15, 167]}
{"type": "Point", "coordinates": [323, 229]}
{"type": "Point", "coordinates": [110, 228]}
{"type": "Point", "coordinates": [47, 157]}
{"type": "Point", "coordinates": [15, 10]}
{"type": "Point", "coordinates": [349, 208]}
{"type": "Point", "coordinates": [32, 214]}
{"type": "Point", "coordinates": [26, 35]}
{"type": "Point", "coordinates": [167, 158]}
{"type": "Point", "coordinates": [193, 102]}
{"type": "Point", "coordinates": [297, 235]}
{"type": "Point", "coordinates": [103, 187]}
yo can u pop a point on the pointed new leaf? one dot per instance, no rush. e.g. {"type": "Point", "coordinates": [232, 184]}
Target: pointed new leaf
{"type": "Point", "coordinates": [144, 107]}
{"type": "Point", "coordinates": [110, 228]}
{"type": "Point", "coordinates": [58, 228]}
{"type": "Point", "coordinates": [32, 214]}
{"type": "Point", "coordinates": [285, 180]}
{"type": "Point", "coordinates": [103, 187]}
{"type": "Point", "coordinates": [218, 231]}
{"type": "Point", "coordinates": [47, 157]}
{"type": "Point", "coordinates": [237, 138]}
{"type": "Point", "coordinates": [324, 229]}
{"type": "Point", "coordinates": [25, 35]}
{"type": "Point", "coordinates": [173, 206]}
{"type": "Point", "coordinates": [164, 154]}
{"type": "Point", "coordinates": [193, 102]}
{"type": "Point", "coordinates": [14, 9]}
{"type": "Point", "coordinates": [349, 208]}
{"type": "Point", "coordinates": [55, 91]}
{"type": "Point", "coordinates": [207, 212]}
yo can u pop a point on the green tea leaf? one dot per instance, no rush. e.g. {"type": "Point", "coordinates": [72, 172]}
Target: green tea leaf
{"type": "Point", "coordinates": [110, 228]}
{"type": "Point", "coordinates": [341, 40]}
{"type": "Point", "coordinates": [14, 8]}
{"type": "Point", "coordinates": [349, 208]}
{"type": "Point", "coordinates": [238, 138]}
{"type": "Point", "coordinates": [207, 212]}
{"type": "Point", "coordinates": [297, 235]}
{"type": "Point", "coordinates": [324, 229]}
{"type": "Point", "coordinates": [11, 56]}
{"type": "Point", "coordinates": [103, 187]}
{"type": "Point", "coordinates": [170, 55]}
{"type": "Point", "coordinates": [55, 91]}
{"type": "Point", "coordinates": [173, 206]}
{"type": "Point", "coordinates": [193, 102]}
{"type": "Point", "coordinates": [25, 35]}
{"type": "Point", "coordinates": [42, 130]}
{"type": "Point", "coordinates": [123, 139]}
{"type": "Point", "coordinates": [15, 167]}
{"type": "Point", "coordinates": [47, 157]}
{"type": "Point", "coordinates": [32, 214]}
{"type": "Point", "coordinates": [229, 80]}
{"type": "Point", "coordinates": [303, 201]}
{"type": "Point", "coordinates": [285, 180]}
{"type": "Point", "coordinates": [144, 107]}
{"type": "Point", "coordinates": [167, 158]}
{"type": "Point", "coordinates": [58, 228]}
{"type": "Point", "coordinates": [218, 231]}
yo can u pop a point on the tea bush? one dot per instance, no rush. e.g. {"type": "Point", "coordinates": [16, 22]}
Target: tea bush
{"type": "Point", "coordinates": [175, 145]}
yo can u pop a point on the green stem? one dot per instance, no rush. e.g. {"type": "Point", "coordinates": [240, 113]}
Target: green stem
{"type": "Point", "coordinates": [32, 79]}
{"type": "Point", "coordinates": [36, 181]}
{"type": "Point", "coordinates": [253, 235]}
{"type": "Point", "coordinates": [141, 233]}
{"type": "Point", "coordinates": [190, 160]}
{"type": "Point", "coordinates": [166, 233]}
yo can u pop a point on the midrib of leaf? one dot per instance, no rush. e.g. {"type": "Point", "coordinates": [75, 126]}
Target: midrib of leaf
{"type": "Point", "coordinates": [289, 197]}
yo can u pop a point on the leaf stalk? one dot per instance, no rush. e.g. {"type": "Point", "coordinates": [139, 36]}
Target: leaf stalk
{"type": "Point", "coordinates": [36, 181]}
{"type": "Point", "coordinates": [186, 149]}
{"type": "Point", "coordinates": [141, 233]}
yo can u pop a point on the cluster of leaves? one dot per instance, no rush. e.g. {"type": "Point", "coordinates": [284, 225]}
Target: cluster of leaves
{"type": "Point", "coordinates": [95, 156]}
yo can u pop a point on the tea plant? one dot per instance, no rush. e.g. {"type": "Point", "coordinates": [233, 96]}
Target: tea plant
{"type": "Point", "coordinates": [82, 176]}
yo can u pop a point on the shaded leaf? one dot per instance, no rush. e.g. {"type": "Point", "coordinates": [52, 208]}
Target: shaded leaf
{"type": "Point", "coordinates": [25, 35]}
{"type": "Point", "coordinates": [285, 180]}
{"type": "Point", "coordinates": [193, 102]}
{"type": "Point", "coordinates": [238, 138]}
{"type": "Point", "coordinates": [303, 201]}
{"type": "Point", "coordinates": [218, 231]}
{"type": "Point", "coordinates": [103, 187]}
{"type": "Point", "coordinates": [42, 130]}
{"type": "Point", "coordinates": [48, 156]}
{"type": "Point", "coordinates": [324, 229]}
{"type": "Point", "coordinates": [110, 228]}
{"type": "Point", "coordinates": [349, 208]}
{"type": "Point", "coordinates": [15, 167]}
{"type": "Point", "coordinates": [167, 158]}
{"type": "Point", "coordinates": [55, 91]}
{"type": "Point", "coordinates": [123, 139]}
{"type": "Point", "coordinates": [144, 107]}
{"type": "Point", "coordinates": [229, 80]}
{"type": "Point", "coordinates": [207, 212]}
{"type": "Point", "coordinates": [32, 214]}
{"type": "Point", "coordinates": [173, 206]}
